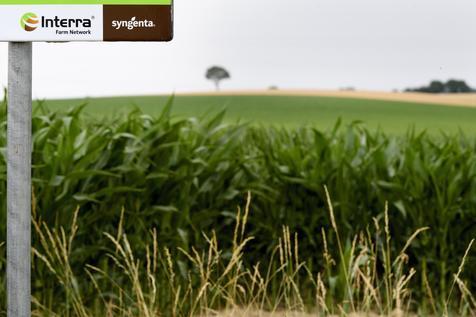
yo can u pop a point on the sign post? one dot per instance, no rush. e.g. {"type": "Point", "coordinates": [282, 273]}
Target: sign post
{"type": "Point", "coordinates": [26, 21]}
{"type": "Point", "coordinates": [19, 179]}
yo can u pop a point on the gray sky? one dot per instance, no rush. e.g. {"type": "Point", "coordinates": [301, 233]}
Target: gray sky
{"type": "Point", "coordinates": [322, 44]}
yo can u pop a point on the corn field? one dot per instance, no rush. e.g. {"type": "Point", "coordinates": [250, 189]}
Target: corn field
{"type": "Point", "coordinates": [137, 181]}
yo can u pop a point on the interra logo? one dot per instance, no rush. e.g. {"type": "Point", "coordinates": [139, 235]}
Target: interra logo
{"type": "Point", "coordinates": [29, 22]}
{"type": "Point", "coordinates": [132, 24]}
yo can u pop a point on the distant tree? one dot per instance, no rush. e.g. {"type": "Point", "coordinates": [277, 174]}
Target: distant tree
{"type": "Point", "coordinates": [436, 87]}
{"type": "Point", "coordinates": [457, 86]}
{"type": "Point", "coordinates": [452, 86]}
{"type": "Point", "coordinates": [216, 74]}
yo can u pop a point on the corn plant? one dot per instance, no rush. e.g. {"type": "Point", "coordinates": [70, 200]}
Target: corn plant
{"type": "Point", "coordinates": [184, 177]}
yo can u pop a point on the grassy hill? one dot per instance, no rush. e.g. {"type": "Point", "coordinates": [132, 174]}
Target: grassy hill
{"type": "Point", "coordinates": [295, 111]}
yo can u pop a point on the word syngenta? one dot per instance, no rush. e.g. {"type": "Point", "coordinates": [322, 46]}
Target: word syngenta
{"type": "Point", "coordinates": [132, 24]}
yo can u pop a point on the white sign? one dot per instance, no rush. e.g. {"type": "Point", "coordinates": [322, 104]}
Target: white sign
{"type": "Point", "coordinates": [86, 20]}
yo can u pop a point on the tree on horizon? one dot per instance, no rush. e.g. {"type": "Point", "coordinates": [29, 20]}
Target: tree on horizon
{"type": "Point", "coordinates": [452, 86]}
{"type": "Point", "coordinates": [216, 74]}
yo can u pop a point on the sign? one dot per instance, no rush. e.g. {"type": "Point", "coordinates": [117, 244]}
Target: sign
{"type": "Point", "coordinates": [85, 20]}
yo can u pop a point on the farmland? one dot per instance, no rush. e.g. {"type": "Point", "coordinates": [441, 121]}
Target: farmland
{"type": "Point", "coordinates": [391, 113]}
{"type": "Point", "coordinates": [145, 213]}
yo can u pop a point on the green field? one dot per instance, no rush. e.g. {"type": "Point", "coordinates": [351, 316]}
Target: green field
{"type": "Point", "coordinates": [294, 111]}
{"type": "Point", "coordinates": [136, 216]}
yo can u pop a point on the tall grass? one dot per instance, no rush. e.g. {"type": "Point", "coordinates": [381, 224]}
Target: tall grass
{"type": "Point", "coordinates": [184, 177]}
{"type": "Point", "coordinates": [212, 280]}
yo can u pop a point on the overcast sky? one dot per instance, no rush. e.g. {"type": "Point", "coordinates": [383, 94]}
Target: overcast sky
{"type": "Point", "coordinates": [312, 44]}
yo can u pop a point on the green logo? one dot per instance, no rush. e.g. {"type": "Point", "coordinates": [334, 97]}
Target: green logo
{"type": "Point", "coordinates": [29, 22]}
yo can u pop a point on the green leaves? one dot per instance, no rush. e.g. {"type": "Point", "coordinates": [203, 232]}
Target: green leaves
{"type": "Point", "coordinates": [183, 176]}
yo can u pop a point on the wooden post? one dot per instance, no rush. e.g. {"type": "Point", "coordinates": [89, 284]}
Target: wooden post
{"type": "Point", "coordinates": [19, 180]}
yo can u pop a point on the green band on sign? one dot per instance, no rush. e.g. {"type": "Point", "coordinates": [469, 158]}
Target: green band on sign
{"type": "Point", "coordinates": [97, 2]}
